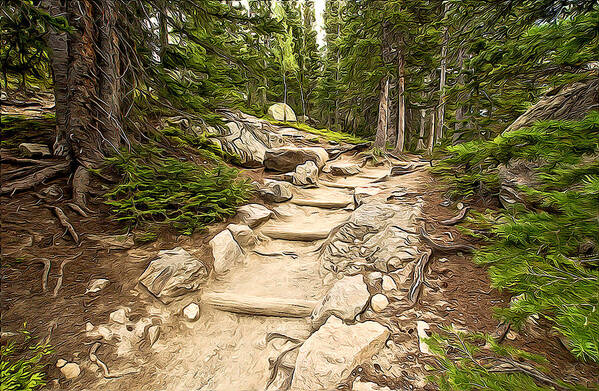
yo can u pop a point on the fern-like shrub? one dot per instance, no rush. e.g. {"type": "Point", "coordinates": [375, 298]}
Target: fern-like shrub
{"type": "Point", "coordinates": [472, 361]}
{"type": "Point", "coordinates": [159, 190]}
{"type": "Point", "coordinates": [24, 373]}
{"type": "Point", "coordinates": [545, 250]}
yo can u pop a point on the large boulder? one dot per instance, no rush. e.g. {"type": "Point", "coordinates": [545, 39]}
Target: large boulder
{"type": "Point", "coordinates": [174, 273]}
{"type": "Point", "coordinates": [254, 214]}
{"type": "Point", "coordinates": [285, 159]}
{"type": "Point", "coordinates": [345, 169]}
{"type": "Point", "coordinates": [330, 354]}
{"type": "Point", "coordinates": [281, 112]}
{"type": "Point", "coordinates": [225, 251]}
{"type": "Point", "coordinates": [276, 191]}
{"type": "Point", "coordinates": [346, 299]}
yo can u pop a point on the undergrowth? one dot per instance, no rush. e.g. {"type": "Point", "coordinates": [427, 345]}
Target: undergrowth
{"type": "Point", "coordinates": [24, 373]}
{"type": "Point", "coordinates": [160, 190]}
{"type": "Point", "coordinates": [330, 135]}
{"type": "Point", "coordinates": [545, 249]}
{"type": "Point", "coordinates": [472, 361]}
{"type": "Point", "coordinates": [17, 129]}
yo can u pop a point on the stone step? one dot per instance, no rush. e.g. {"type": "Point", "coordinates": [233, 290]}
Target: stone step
{"type": "Point", "coordinates": [325, 204]}
{"type": "Point", "coordinates": [286, 233]}
{"type": "Point", "coordinates": [255, 305]}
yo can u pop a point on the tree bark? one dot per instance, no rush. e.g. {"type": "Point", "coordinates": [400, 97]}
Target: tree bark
{"type": "Point", "coordinates": [421, 145]}
{"type": "Point", "coordinates": [59, 61]}
{"type": "Point", "coordinates": [441, 107]}
{"type": "Point", "coordinates": [431, 135]}
{"type": "Point", "coordinates": [401, 104]}
{"type": "Point", "coordinates": [380, 140]}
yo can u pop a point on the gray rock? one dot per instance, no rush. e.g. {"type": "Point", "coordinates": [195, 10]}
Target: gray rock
{"type": "Point", "coordinates": [285, 159]}
{"type": "Point", "coordinates": [330, 354]}
{"type": "Point", "coordinates": [34, 149]}
{"type": "Point", "coordinates": [191, 312]}
{"type": "Point", "coordinates": [281, 112]}
{"type": "Point", "coordinates": [346, 299]}
{"type": "Point", "coordinates": [243, 235]}
{"type": "Point", "coordinates": [173, 273]}
{"type": "Point", "coordinates": [305, 174]}
{"type": "Point", "coordinates": [379, 302]}
{"type": "Point", "coordinates": [253, 214]}
{"type": "Point", "coordinates": [97, 285]}
{"type": "Point", "coordinates": [225, 251]}
{"type": "Point", "coordinates": [70, 370]}
{"type": "Point", "coordinates": [276, 191]}
{"type": "Point", "coordinates": [345, 169]}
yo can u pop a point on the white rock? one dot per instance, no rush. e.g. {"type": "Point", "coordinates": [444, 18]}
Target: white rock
{"type": "Point", "coordinates": [346, 299]}
{"type": "Point", "coordinates": [281, 112]}
{"type": "Point", "coordinates": [34, 149]}
{"type": "Point", "coordinates": [460, 206]}
{"type": "Point", "coordinates": [285, 159]}
{"type": "Point", "coordinates": [345, 169]}
{"type": "Point", "coordinates": [119, 316]}
{"type": "Point", "coordinates": [97, 285]}
{"type": "Point", "coordinates": [421, 327]}
{"type": "Point", "coordinates": [174, 273]}
{"type": "Point", "coordinates": [70, 370]}
{"type": "Point", "coordinates": [141, 326]}
{"type": "Point", "coordinates": [305, 174]}
{"type": "Point", "coordinates": [276, 191]}
{"type": "Point", "coordinates": [330, 354]}
{"type": "Point", "coordinates": [379, 302]}
{"type": "Point", "coordinates": [89, 327]}
{"type": "Point", "coordinates": [361, 193]}
{"type": "Point", "coordinates": [368, 386]}
{"type": "Point", "coordinates": [153, 334]}
{"type": "Point", "coordinates": [60, 363]}
{"type": "Point", "coordinates": [253, 214]}
{"type": "Point", "coordinates": [389, 283]}
{"type": "Point", "coordinates": [225, 251]}
{"type": "Point", "coordinates": [243, 235]}
{"type": "Point", "coordinates": [191, 312]}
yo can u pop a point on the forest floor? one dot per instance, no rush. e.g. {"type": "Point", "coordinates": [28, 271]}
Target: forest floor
{"type": "Point", "coordinates": [224, 350]}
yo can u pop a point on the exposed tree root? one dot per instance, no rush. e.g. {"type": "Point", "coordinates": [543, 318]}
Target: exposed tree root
{"type": "Point", "coordinates": [456, 219]}
{"type": "Point", "coordinates": [81, 187]}
{"type": "Point", "coordinates": [36, 178]}
{"type": "Point", "coordinates": [277, 364]}
{"type": "Point", "coordinates": [418, 276]}
{"type": "Point", "coordinates": [402, 170]}
{"type": "Point", "coordinates": [443, 248]}
{"type": "Point", "coordinates": [47, 265]}
{"type": "Point", "coordinates": [64, 221]}
{"type": "Point", "coordinates": [106, 373]}
{"type": "Point", "coordinates": [291, 254]}
{"type": "Point", "coordinates": [77, 209]}
{"type": "Point", "coordinates": [61, 274]}
{"type": "Point", "coordinates": [334, 153]}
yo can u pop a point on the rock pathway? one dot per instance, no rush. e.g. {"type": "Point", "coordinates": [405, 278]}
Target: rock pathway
{"type": "Point", "coordinates": [329, 262]}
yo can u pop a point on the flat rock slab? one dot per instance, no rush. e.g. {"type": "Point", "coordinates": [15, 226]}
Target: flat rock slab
{"type": "Point", "coordinates": [174, 273]}
{"type": "Point", "coordinates": [333, 351]}
{"type": "Point", "coordinates": [33, 149]}
{"type": "Point", "coordinates": [324, 204]}
{"type": "Point", "coordinates": [346, 299]}
{"type": "Point", "coordinates": [297, 235]}
{"type": "Point", "coordinates": [276, 191]}
{"type": "Point", "coordinates": [345, 169]}
{"type": "Point", "coordinates": [285, 159]}
{"type": "Point", "coordinates": [254, 214]}
{"type": "Point", "coordinates": [254, 305]}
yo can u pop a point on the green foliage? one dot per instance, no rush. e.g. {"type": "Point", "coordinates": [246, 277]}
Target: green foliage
{"type": "Point", "coordinates": [24, 373]}
{"type": "Point", "coordinates": [546, 249]}
{"type": "Point", "coordinates": [469, 362]}
{"type": "Point", "coordinates": [159, 190]}
{"type": "Point", "coordinates": [326, 133]}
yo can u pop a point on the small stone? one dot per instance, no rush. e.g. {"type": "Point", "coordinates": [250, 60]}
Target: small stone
{"type": "Point", "coordinates": [192, 312]}
{"type": "Point", "coordinates": [97, 285]}
{"type": "Point", "coordinates": [89, 327]}
{"type": "Point", "coordinates": [276, 191]}
{"type": "Point", "coordinates": [119, 316]}
{"type": "Point", "coordinates": [379, 302]}
{"type": "Point", "coordinates": [460, 206]}
{"type": "Point", "coordinates": [61, 363]}
{"type": "Point", "coordinates": [105, 332]}
{"type": "Point", "coordinates": [373, 277]}
{"type": "Point", "coordinates": [153, 334]}
{"type": "Point", "coordinates": [389, 283]}
{"type": "Point", "coordinates": [70, 370]}
{"type": "Point", "coordinates": [511, 335]}
{"type": "Point", "coordinates": [141, 326]}
{"type": "Point", "coordinates": [443, 260]}
{"type": "Point", "coordinates": [226, 251]}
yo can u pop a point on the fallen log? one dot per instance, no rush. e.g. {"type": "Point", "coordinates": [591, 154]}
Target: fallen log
{"type": "Point", "coordinates": [443, 248]}
{"type": "Point", "coordinates": [261, 306]}
{"type": "Point", "coordinates": [456, 219]}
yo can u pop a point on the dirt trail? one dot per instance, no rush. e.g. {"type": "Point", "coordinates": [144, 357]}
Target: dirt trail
{"type": "Point", "coordinates": [227, 351]}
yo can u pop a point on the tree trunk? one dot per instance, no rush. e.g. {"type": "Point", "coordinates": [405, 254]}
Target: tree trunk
{"type": "Point", "coordinates": [380, 140]}
{"type": "Point", "coordinates": [163, 32]}
{"type": "Point", "coordinates": [285, 98]}
{"type": "Point", "coordinates": [401, 105]}
{"type": "Point", "coordinates": [441, 107]}
{"type": "Point", "coordinates": [59, 60]}
{"type": "Point", "coordinates": [421, 146]}
{"type": "Point", "coordinates": [431, 135]}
